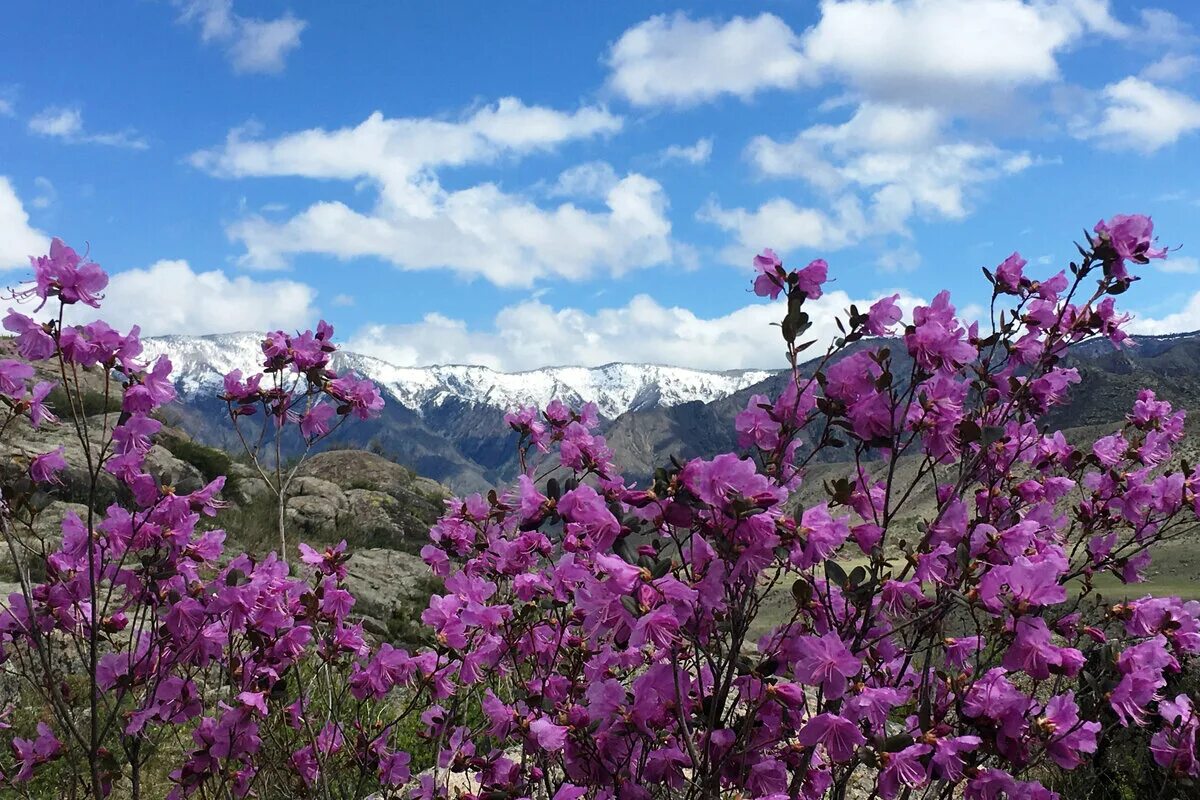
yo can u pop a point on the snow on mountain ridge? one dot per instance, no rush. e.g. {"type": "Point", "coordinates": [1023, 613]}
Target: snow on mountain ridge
{"type": "Point", "coordinates": [201, 361]}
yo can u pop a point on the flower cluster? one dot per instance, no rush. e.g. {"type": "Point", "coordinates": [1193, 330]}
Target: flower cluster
{"type": "Point", "coordinates": [297, 387]}
{"type": "Point", "coordinates": [612, 633]}
{"type": "Point", "coordinates": [174, 637]}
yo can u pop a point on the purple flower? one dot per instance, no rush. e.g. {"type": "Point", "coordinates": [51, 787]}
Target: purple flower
{"type": "Point", "coordinates": [770, 281]}
{"type": "Point", "coordinates": [394, 768]}
{"type": "Point", "coordinates": [45, 468]}
{"type": "Point", "coordinates": [826, 661]}
{"type": "Point", "coordinates": [810, 278]}
{"type": "Point", "coordinates": [548, 736]}
{"type": "Point", "coordinates": [1009, 274]}
{"type": "Point", "coordinates": [359, 396]}
{"type": "Point", "coordinates": [839, 735]}
{"type": "Point", "coordinates": [33, 342]}
{"type": "Point", "coordinates": [883, 314]}
{"type": "Point", "coordinates": [38, 412]}
{"type": "Point", "coordinates": [1131, 237]}
{"type": "Point", "coordinates": [1068, 736]}
{"type": "Point", "coordinates": [904, 768]}
{"type": "Point", "coordinates": [65, 275]}
{"type": "Point", "coordinates": [32, 753]}
{"type": "Point", "coordinates": [13, 375]}
{"type": "Point", "coordinates": [315, 423]}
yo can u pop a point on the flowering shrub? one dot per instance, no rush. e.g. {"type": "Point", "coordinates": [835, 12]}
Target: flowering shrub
{"type": "Point", "coordinates": [600, 639]}
{"type": "Point", "coordinates": [607, 630]}
{"type": "Point", "coordinates": [301, 389]}
{"type": "Point", "coordinates": [144, 642]}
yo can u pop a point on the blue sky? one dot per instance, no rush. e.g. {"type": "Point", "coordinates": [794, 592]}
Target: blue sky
{"type": "Point", "coordinates": [547, 183]}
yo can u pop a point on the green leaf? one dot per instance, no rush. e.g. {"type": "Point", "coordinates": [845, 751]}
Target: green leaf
{"type": "Point", "coordinates": [835, 573]}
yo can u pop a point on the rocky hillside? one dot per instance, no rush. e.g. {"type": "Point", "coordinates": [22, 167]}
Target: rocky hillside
{"type": "Point", "coordinates": [383, 510]}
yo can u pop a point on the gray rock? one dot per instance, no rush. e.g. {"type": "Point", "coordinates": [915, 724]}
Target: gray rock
{"type": "Point", "coordinates": [316, 487]}
{"type": "Point", "coordinates": [312, 515]}
{"type": "Point", "coordinates": [244, 485]}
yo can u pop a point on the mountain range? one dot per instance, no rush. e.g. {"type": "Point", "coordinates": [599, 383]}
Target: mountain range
{"type": "Point", "coordinates": [447, 422]}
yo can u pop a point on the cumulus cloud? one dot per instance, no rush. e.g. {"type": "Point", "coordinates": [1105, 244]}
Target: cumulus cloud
{"type": "Point", "coordinates": [946, 52]}
{"type": "Point", "coordinates": [884, 165]}
{"type": "Point", "coordinates": [399, 150]}
{"type": "Point", "coordinates": [482, 230]}
{"type": "Point", "coordinates": [66, 124]}
{"type": "Point", "coordinates": [911, 69]}
{"type": "Point", "coordinates": [676, 60]}
{"type": "Point", "coordinates": [1139, 115]}
{"type": "Point", "coordinates": [1179, 265]}
{"type": "Point", "coordinates": [187, 301]}
{"type": "Point", "coordinates": [1171, 67]}
{"type": "Point", "coordinates": [697, 153]}
{"type": "Point", "coordinates": [533, 334]}
{"type": "Point", "coordinates": [1185, 320]}
{"type": "Point", "coordinates": [251, 44]}
{"type": "Point", "coordinates": [781, 224]}
{"type": "Point", "coordinates": [18, 239]}
{"type": "Point", "coordinates": [921, 52]}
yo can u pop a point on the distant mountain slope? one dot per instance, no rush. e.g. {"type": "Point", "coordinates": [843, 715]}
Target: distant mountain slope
{"type": "Point", "coordinates": [446, 422]}
{"type": "Point", "coordinates": [201, 361]}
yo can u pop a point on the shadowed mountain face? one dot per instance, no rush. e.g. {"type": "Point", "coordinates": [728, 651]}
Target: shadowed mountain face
{"type": "Point", "coordinates": [447, 423]}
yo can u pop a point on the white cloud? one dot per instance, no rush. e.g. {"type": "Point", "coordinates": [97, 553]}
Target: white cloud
{"type": "Point", "coordinates": [252, 45]}
{"type": "Point", "coordinates": [532, 334]}
{"type": "Point", "coordinates": [480, 231]}
{"type": "Point", "coordinates": [679, 61]}
{"type": "Point", "coordinates": [1139, 115]}
{"type": "Point", "coordinates": [18, 240]}
{"type": "Point", "coordinates": [1185, 320]}
{"type": "Point", "coordinates": [477, 231]}
{"type": "Point", "coordinates": [67, 124]}
{"type": "Point", "coordinates": [781, 224]}
{"type": "Point", "coordinates": [398, 150]}
{"type": "Point", "coordinates": [880, 168]}
{"type": "Point", "coordinates": [1179, 265]}
{"type": "Point", "coordinates": [343, 300]}
{"type": "Point", "coordinates": [697, 153]}
{"type": "Point", "coordinates": [6, 108]}
{"type": "Point", "coordinates": [191, 302]}
{"type": "Point", "coordinates": [947, 52]}
{"type": "Point", "coordinates": [1171, 67]}
{"type": "Point", "coordinates": [594, 179]}
{"type": "Point", "coordinates": [923, 52]}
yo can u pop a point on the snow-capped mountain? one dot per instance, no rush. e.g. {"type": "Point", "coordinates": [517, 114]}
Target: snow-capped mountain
{"type": "Point", "coordinates": [201, 361]}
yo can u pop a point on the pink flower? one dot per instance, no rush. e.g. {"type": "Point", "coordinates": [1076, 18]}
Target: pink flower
{"type": "Point", "coordinates": [33, 342]}
{"type": "Point", "coordinates": [45, 468]}
{"type": "Point", "coordinates": [315, 423]}
{"type": "Point", "coordinates": [548, 736]}
{"type": "Point", "coordinates": [771, 279]}
{"type": "Point", "coordinates": [1068, 736]}
{"type": "Point", "coordinates": [826, 661]}
{"type": "Point", "coordinates": [1131, 237]}
{"type": "Point", "coordinates": [32, 753]}
{"type": "Point", "coordinates": [883, 314]}
{"type": "Point", "coordinates": [359, 396]}
{"type": "Point", "coordinates": [810, 278]}
{"type": "Point", "coordinates": [394, 768]}
{"type": "Point", "coordinates": [13, 375]}
{"type": "Point", "coordinates": [38, 412]}
{"type": "Point", "coordinates": [839, 735]}
{"type": "Point", "coordinates": [65, 275]}
{"type": "Point", "coordinates": [1009, 275]}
